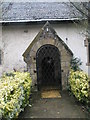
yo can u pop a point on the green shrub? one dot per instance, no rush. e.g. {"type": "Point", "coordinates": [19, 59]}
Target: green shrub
{"type": "Point", "coordinates": [75, 63]}
{"type": "Point", "coordinates": [79, 85]}
{"type": "Point", "coordinates": [14, 93]}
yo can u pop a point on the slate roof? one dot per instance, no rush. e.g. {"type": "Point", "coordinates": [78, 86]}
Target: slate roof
{"type": "Point", "coordinates": [38, 11]}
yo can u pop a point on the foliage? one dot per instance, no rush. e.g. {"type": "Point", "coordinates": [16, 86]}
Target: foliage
{"type": "Point", "coordinates": [14, 94]}
{"type": "Point", "coordinates": [79, 84]}
{"type": "Point", "coordinates": [75, 64]}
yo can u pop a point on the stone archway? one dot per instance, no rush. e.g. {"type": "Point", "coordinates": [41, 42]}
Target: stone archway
{"type": "Point", "coordinates": [48, 66]}
{"type": "Point", "coordinates": [47, 35]}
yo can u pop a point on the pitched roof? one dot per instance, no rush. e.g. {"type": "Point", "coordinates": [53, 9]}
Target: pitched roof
{"type": "Point", "coordinates": [41, 33]}
{"type": "Point", "coordinates": [38, 11]}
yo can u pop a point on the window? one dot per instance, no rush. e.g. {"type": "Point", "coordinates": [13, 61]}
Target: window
{"type": "Point", "coordinates": [0, 57]}
{"type": "Point", "coordinates": [88, 52]}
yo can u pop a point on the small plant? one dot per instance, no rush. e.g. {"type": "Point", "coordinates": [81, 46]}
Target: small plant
{"type": "Point", "coordinates": [75, 64]}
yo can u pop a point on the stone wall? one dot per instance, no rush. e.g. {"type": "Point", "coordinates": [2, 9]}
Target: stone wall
{"type": "Point", "coordinates": [48, 37]}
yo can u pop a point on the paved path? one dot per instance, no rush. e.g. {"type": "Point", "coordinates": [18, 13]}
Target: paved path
{"type": "Point", "coordinates": [64, 107]}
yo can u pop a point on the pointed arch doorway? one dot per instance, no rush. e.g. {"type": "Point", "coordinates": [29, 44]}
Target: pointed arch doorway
{"type": "Point", "coordinates": [48, 67]}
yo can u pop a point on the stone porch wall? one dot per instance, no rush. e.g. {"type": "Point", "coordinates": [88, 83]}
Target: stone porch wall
{"type": "Point", "coordinates": [65, 56]}
{"type": "Point", "coordinates": [65, 60]}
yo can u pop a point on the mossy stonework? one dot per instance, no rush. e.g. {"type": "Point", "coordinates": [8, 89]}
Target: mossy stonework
{"type": "Point", "coordinates": [47, 35]}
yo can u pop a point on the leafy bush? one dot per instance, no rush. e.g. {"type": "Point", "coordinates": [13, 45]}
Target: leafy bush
{"type": "Point", "coordinates": [75, 64]}
{"type": "Point", "coordinates": [79, 84]}
{"type": "Point", "coordinates": [14, 94]}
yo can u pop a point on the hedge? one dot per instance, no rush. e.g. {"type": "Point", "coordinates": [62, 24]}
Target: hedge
{"type": "Point", "coordinates": [15, 89]}
{"type": "Point", "coordinates": [79, 85]}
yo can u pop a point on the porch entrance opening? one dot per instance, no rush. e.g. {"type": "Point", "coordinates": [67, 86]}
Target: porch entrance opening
{"type": "Point", "coordinates": [48, 67]}
{"type": "Point", "coordinates": [48, 71]}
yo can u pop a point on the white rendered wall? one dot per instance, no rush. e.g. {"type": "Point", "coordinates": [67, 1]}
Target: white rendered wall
{"type": "Point", "coordinates": [17, 38]}
{"type": "Point", "coordinates": [75, 41]}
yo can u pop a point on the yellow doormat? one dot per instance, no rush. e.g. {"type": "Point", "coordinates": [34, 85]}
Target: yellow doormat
{"type": "Point", "coordinates": [50, 93]}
